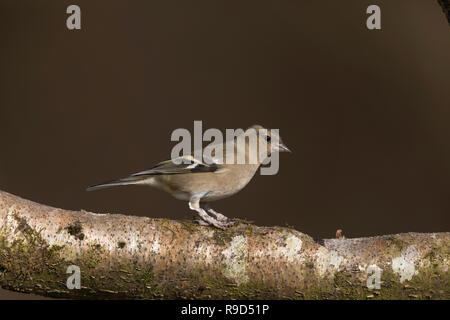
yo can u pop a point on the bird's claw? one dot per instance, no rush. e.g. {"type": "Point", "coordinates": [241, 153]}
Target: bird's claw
{"type": "Point", "coordinates": [219, 217]}
{"type": "Point", "coordinates": [218, 224]}
{"type": "Point", "coordinates": [201, 222]}
{"type": "Point", "coordinates": [223, 225]}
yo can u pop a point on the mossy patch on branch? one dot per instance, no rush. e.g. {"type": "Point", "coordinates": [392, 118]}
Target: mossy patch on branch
{"type": "Point", "coordinates": [75, 229]}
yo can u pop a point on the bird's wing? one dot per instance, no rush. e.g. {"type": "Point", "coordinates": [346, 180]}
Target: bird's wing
{"type": "Point", "coordinates": [185, 164]}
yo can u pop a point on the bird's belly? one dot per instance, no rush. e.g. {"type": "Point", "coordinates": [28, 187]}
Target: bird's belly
{"type": "Point", "coordinates": [182, 196]}
{"type": "Point", "coordinates": [211, 186]}
{"type": "Point", "coordinates": [216, 195]}
{"type": "Point", "coordinates": [210, 196]}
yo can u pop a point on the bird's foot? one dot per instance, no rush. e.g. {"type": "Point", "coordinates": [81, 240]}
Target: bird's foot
{"type": "Point", "coordinates": [223, 225]}
{"type": "Point", "coordinates": [206, 219]}
{"type": "Point", "coordinates": [216, 223]}
{"type": "Point", "coordinates": [221, 221]}
{"type": "Point", "coordinates": [201, 222]}
{"type": "Point", "coordinates": [220, 217]}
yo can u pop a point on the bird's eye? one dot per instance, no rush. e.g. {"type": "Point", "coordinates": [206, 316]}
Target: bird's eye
{"type": "Point", "coordinates": [267, 138]}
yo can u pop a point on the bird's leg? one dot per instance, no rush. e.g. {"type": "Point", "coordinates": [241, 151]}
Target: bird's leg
{"type": "Point", "coordinates": [194, 204]}
{"type": "Point", "coordinates": [216, 214]}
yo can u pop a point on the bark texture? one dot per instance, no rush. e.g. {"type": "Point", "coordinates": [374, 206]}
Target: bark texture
{"type": "Point", "coordinates": [142, 258]}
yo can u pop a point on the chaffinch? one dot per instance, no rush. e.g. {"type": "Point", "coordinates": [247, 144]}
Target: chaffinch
{"type": "Point", "coordinates": [202, 181]}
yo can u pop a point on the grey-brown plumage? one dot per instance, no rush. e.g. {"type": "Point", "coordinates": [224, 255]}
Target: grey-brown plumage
{"type": "Point", "coordinates": [201, 182]}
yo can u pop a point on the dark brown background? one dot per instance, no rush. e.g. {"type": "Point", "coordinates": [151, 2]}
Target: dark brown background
{"type": "Point", "coordinates": [366, 112]}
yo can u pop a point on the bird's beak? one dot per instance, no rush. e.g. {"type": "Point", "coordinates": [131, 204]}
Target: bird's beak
{"type": "Point", "coordinates": [283, 147]}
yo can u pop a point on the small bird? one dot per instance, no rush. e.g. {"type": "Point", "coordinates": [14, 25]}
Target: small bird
{"type": "Point", "coordinates": [200, 182]}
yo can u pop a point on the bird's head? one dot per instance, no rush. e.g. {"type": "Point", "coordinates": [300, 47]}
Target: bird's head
{"type": "Point", "coordinates": [271, 138]}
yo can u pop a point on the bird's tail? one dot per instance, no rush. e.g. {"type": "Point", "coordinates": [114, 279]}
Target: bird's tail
{"type": "Point", "coordinates": [122, 182]}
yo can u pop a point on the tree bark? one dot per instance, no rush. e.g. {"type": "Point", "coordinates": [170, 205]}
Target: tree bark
{"type": "Point", "coordinates": [142, 258]}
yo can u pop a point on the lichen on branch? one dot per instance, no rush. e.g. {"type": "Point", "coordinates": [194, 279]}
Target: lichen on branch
{"type": "Point", "coordinates": [130, 257]}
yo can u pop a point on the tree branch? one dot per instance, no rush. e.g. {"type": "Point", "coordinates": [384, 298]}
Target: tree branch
{"type": "Point", "coordinates": [136, 257]}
